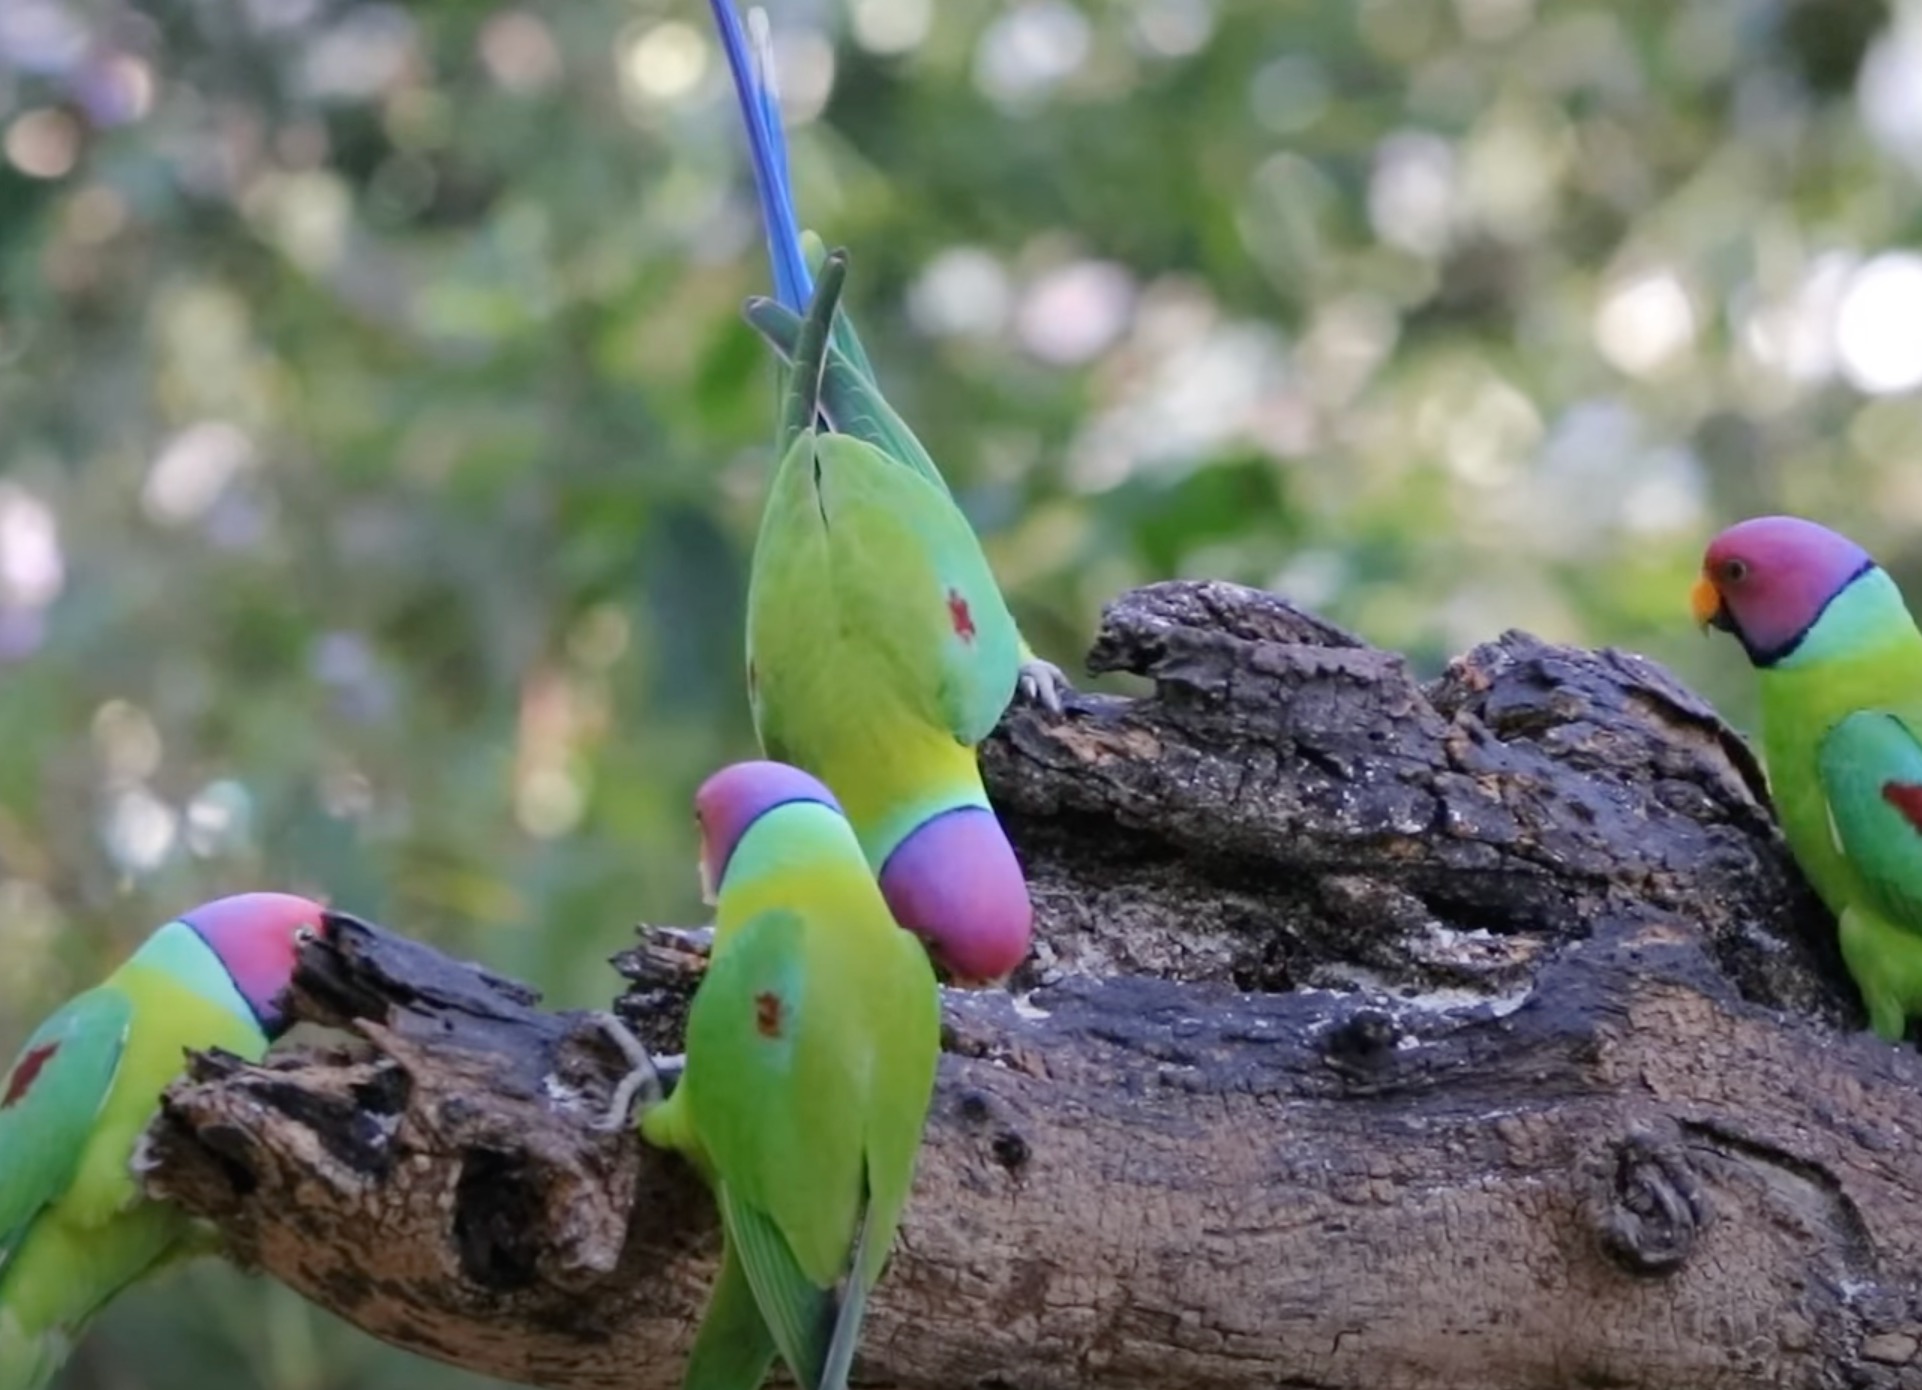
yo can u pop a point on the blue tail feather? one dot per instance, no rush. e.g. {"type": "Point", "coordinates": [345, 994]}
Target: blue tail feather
{"type": "Point", "coordinates": [753, 69]}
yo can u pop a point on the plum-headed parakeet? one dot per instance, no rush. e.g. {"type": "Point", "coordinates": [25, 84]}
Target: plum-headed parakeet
{"type": "Point", "coordinates": [811, 1049]}
{"type": "Point", "coordinates": [74, 1227]}
{"type": "Point", "coordinates": [880, 650]}
{"type": "Point", "coordinates": [1841, 685]}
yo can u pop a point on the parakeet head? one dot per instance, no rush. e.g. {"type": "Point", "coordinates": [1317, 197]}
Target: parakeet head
{"type": "Point", "coordinates": [1768, 580]}
{"type": "Point", "coordinates": [955, 883]}
{"type": "Point", "coordinates": [734, 798]}
{"type": "Point", "coordinates": [256, 935]}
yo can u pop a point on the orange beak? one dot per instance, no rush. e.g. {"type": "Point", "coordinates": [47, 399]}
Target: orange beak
{"type": "Point", "coordinates": [1706, 602]}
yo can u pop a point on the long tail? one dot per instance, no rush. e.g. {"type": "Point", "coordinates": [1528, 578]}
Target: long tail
{"type": "Point", "coordinates": [811, 354]}
{"type": "Point", "coordinates": [849, 395]}
{"type": "Point", "coordinates": [800, 1318]}
{"type": "Point", "coordinates": [750, 59]}
{"type": "Point", "coordinates": [734, 1348]}
{"type": "Point", "coordinates": [854, 1307]}
{"type": "Point", "coordinates": [29, 1361]}
{"type": "Point", "coordinates": [753, 69]}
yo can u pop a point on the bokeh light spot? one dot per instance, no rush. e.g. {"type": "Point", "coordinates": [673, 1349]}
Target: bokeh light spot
{"type": "Point", "coordinates": [664, 61]}
{"type": "Point", "coordinates": [891, 26]}
{"type": "Point", "coordinates": [519, 52]}
{"type": "Point", "coordinates": [963, 291]}
{"type": "Point", "coordinates": [43, 143]}
{"type": "Point", "coordinates": [1073, 313]}
{"type": "Point", "coordinates": [1645, 322]}
{"type": "Point", "coordinates": [1878, 325]}
{"type": "Point", "coordinates": [189, 475]}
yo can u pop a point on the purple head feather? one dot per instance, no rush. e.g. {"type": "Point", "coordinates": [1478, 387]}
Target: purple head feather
{"type": "Point", "coordinates": [1768, 579]}
{"type": "Point", "coordinates": [955, 883]}
{"type": "Point", "coordinates": [256, 935]}
{"type": "Point", "coordinates": [734, 798]}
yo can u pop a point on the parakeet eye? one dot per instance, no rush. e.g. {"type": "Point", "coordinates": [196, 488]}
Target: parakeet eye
{"type": "Point", "coordinates": [1733, 571]}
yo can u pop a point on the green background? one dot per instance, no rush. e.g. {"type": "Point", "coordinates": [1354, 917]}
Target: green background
{"type": "Point", "coordinates": [381, 449]}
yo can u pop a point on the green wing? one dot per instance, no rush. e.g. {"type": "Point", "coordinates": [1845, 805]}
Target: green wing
{"type": "Point", "coordinates": [1871, 770]}
{"type": "Point", "coordinates": [52, 1095]}
{"type": "Point", "coordinates": [859, 555]}
{"type": "Point", "coordinates": [912, 574]}
{"type": "Point", "coordinates": [910, 1018]}
{"type": "Point", "coordinates": [778, 1109]}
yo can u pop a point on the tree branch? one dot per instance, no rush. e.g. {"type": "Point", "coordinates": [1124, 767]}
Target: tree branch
{"type": "Point", "coordinates": [1382, 1034]}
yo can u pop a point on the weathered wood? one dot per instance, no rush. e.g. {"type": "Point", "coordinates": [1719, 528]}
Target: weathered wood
{"type": "Point", "coordinates": [1471, 1034]}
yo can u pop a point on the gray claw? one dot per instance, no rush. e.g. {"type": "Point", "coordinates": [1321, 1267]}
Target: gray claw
{"type": "Point", "coordinates": [642, 1081]}
{"type": "Point", "coordinates": [1042, 682]}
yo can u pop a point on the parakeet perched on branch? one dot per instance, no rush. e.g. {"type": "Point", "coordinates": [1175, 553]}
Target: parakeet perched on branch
{"type": "Point", "coordinates": [1841, 683]}
{"type": "Point", "coordinates": [879, 648]}
{"type": "Point", "coordinates": [811, 1049]}
{"type": "Point", "coordinates": [74, 1227]}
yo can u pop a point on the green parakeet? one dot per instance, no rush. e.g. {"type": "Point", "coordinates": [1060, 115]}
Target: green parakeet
{"type": "Point", "coordinates": [880, 650]}
{"type": "Point", "coordinates": [1840, 665]}
{"type": "Point", "coordinates": [811, 1050]}
{"type": "Point", "coordinates": [74, 1228]}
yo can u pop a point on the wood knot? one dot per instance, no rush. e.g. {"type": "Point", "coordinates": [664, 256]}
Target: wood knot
{"type": "Point", "coordinates": [1361, 1042]}
{"type": "Point", "coordinates": [1010, 1150]}
{"type": "Point", "coordinates": [1650, 1207]}
{"type": "Point", "coordinates": [974, 1107]}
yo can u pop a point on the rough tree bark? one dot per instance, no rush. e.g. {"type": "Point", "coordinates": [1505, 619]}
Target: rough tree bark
{"type": "Point", "coordinates": [1472, 1034]}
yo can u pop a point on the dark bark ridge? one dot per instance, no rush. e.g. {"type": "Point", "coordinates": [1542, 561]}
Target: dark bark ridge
{"type": "Point", "coordinates": [1463, 1034]}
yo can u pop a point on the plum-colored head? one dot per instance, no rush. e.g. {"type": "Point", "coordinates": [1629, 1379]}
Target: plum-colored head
{"type": "Point", "coordinates": [734, 798]}
{"type": "Point", "coordinates": [955, 883]}
{"type": "Point", "coordinates": [256, 935]}
{"type": "Point", "coordinates": [1769, 579]}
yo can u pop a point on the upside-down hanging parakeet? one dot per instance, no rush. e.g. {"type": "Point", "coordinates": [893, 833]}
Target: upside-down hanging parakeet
{"type": "Point", "coordinates": [74, 1227]}
{"type": "Point", "coordinates": [1841, 683]}
{"type": "Point", "coordinates": [811, 1049]}
{"type": "Point", "coordinates": [880, 650]}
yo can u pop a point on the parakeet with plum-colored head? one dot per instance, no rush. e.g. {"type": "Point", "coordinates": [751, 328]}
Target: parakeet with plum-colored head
{"type": "Point", "coordinates": [1840, 664]}
{"type": "Point", "coordinates": [74, 1227]}
{"type": "Point", "coordinates": [811, 1051]}
{"type": "Point", "coordinates": [880, 649]}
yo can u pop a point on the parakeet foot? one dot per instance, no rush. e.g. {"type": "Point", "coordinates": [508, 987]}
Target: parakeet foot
{"type": "Point", "coordinates": [1042, 682]}
{"type": "Point", "coordinates": [642, 1082]}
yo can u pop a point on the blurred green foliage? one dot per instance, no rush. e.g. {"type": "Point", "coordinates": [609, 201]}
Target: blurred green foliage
{"type": "Point", "coordinates": [380, 448]}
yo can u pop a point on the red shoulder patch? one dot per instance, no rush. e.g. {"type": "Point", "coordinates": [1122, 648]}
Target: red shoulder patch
{"type": "Point", "coordinates": [767, 1014]}
{"type": "Point", "coordinates": [26, 1074]}
{"type": "Point", "coordinates": [960, 616]}
{"type": "Point", "coordinates": [1906, 797]}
